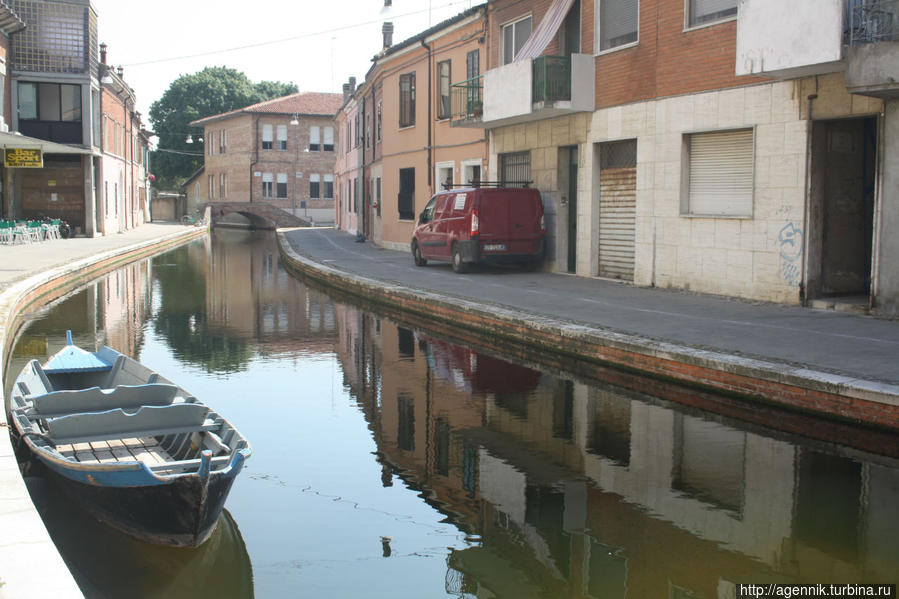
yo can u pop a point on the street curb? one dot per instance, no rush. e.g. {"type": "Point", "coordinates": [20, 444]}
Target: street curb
{"type": "Point", "coordinates": [843, 398]}
{"type": "Point", "coordinates": [30, 564]}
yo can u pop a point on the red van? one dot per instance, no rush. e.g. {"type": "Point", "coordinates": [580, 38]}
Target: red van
{"type": "Point", "coordinates": [481, 225]}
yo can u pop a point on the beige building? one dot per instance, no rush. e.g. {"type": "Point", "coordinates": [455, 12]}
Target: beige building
{"type": "Point", "coordinates": [401, 126]}
{"type": "Point", "coordinates": [280, 152]}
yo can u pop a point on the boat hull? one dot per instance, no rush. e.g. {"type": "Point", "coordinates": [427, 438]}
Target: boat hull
{"type": "Point", "coordinates": [179, 513]}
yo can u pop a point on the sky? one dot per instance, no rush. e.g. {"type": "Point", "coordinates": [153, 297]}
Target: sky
{"type": "Point", "coordinates": [317, 44]}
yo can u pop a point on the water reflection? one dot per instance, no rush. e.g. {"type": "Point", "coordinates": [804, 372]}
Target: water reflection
{"type": "Point", "coordinates": [588, 490]}
{"type": "Point", "coordinates": [107, 563]}
{"type": "Point", "coordinates": [427, 468]}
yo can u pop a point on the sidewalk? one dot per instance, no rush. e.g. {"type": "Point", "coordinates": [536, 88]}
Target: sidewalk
{"type": "Point", "coordinates": [848, 356]}
{"type": "Point", "coordinates": [30, 565]}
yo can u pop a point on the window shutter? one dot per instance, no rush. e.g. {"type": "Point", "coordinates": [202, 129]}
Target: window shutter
{"type": "Point", "coordinates": [618, 22]}
{"type": "Point", "coordinates": [702, 8]}
{"type": "Point", "coordinates": [267, 133]}
{"type": "Point", "coordinates": [721, 173]}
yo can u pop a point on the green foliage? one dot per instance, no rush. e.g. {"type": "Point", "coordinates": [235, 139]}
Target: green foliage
{"type": "Point", "coordinates": [274, 89]}
{"type": "Point", "coordinates": [213, 90]}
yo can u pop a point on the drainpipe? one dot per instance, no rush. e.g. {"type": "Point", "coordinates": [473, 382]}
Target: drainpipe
{"type": "Point", "coordinates": [430, 125]}
{"type": "Point", "coordinates": [803, 284]}
{"type": "Point", "coordinates": [360, 234]}
{"type": "Point", "coordinates": [256, 156]}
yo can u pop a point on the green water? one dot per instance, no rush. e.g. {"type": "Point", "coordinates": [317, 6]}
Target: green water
{"type": "Point", "coordinates": [391, 462]}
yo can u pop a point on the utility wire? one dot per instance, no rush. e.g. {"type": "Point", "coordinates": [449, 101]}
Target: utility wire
{"type": "Point", "coordinates": [288, 39]}
{"type": "Point", "coordinates": [178, 152]}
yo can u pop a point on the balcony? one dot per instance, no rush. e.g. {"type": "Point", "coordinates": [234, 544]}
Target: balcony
{"type": "Point", "coordinates": [872, 54]}
{"type": "Point", "coordinates": [524, 91]}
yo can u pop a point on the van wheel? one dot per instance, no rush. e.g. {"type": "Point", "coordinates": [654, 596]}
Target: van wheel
{"type": "Point", "coordinates": [458, 265]}
{"type": "Point", "coordinates": [416, 255]}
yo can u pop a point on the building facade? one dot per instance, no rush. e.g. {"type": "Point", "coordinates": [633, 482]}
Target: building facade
{"type": "Point", "coordinates": [281, 152]}
{"type": "Point", "coordinates": [348, 167]}
{"type": "Point", "coordinates": [61, 100]}
{"type": "Point", "coordinates": [677, 145]}
{"type": "Point", "coordinates": [406, 144]}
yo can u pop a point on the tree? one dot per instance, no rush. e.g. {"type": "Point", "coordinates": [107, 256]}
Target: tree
{"type": "Point", "coordinates": [274, 89]}
{"type": "Point", "coordinates": [213, 90]}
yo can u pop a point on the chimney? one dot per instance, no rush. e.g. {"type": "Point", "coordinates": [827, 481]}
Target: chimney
{"type": "Point", "coordinates": [352, 85]}
{"type": "Point", "coordinates": [103, 53]}
{"type": "Point", "coordinates": [346, 91]}
{"type": "Point", "coordinates": [387, 30]}
{"type": "Point", "coordinates": [388, 3]}
{"type": "Point", "coordinates": [120, 71]}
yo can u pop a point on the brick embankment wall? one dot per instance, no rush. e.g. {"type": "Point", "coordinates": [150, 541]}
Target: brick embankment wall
{"type": "Point", "coordinates": [749, 386]}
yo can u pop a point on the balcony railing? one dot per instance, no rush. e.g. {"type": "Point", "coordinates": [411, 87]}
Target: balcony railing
{"type": "Point", "coordinates": [869, 21]}
{"type": "Point", "coordinates": [552, 79]}
{"type": "Point", "coordinates": [467, 99]}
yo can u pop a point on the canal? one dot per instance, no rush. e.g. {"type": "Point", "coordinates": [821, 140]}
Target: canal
{"type": "Point", "coordinates": [392, 462]}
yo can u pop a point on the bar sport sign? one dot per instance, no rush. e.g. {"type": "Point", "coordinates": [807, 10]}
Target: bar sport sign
{"type": "Point", "coordinates": [23, 158]}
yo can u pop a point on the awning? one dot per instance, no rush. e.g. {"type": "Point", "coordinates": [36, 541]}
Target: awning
{"type": "Point", "coordinates": [545, 31]}
{"type": "Point", "coordinates": [13, 140]}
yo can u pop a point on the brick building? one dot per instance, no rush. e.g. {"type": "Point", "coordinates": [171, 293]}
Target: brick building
{"type": "Point", "coordinates": [280, 151]}
{"type": "Point", "coordinates": [124, 146]}
{"type": "Point", "coordinates": [692, 145]}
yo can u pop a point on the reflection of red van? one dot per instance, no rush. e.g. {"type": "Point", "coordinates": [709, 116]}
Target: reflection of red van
{"type": "Point", "coordinates": [474, 225]}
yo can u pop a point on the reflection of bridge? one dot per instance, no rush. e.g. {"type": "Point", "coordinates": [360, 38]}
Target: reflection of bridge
{"type": "Point", "coordinates": [260, 215]}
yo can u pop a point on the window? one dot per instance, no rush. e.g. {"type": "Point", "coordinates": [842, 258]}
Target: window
{"type": "Point", "coordinates": [223, 141]}
{"type": "Point", "coordinates": [315, 141]}
{"type": "Point", "coordinates": [211, 187]}
{"type": "Point", "coordinates": [515, 168]}
{"type": "Point", "coordinates": [406, 195]}
{"type": "Point", "coordinates": [210, 143]}
{"type": "Point", "coordinates": [328, 143]}
{"type": "Point", "coordinates": [443, 94]}
{"type": "Point", "coordinates": [379, 121]}
{"type": "Point", "coordinates": [222, 186]}
{"type": "Point", "coordinates": [282, 137]}
{"type": "Point", "coordinates": [282, 186]}
{"type": "Point", "coordinates": [618, 21]}
{"type": "Point", "coordinates": [50, 102]}
{"type": "Point", "coordinates": [378, 194]}
{"type": "Point", "coordinates": [357, 196]}
{"type": "Point", "coordinates": [268, 137]}
{"type": "Point", "coordinates": [315, 187]}
{"type": "Point", "coordinates": [515, 34]}
{"type": "Point", "coordinates": [329, 187]}
{"type": "Point", "coordinates": [719, 173]}
{"type": "Point", "coordinates": [267, 181]}
{"type": "Point", "coordinates": [407, 100]}
{"type": "Point", "coordinates": [709, 11]}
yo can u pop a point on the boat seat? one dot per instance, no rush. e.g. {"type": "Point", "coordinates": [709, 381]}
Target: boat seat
{"type": "Point", "coordinates": [33, 380]}
{"type": "Point", "coordinates": [125, 371]}
{"type": "Point", "coordinates": [96, 399]}
{"type": "Point", "coordinates": [148, 421]}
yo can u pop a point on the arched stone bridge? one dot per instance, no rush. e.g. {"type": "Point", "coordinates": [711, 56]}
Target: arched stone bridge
{"type": "Point", "coordinates": [260, 214]}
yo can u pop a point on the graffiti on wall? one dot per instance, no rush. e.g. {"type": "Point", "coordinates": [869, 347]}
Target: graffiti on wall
{"type": "Point", "coordinates": [790, 240]}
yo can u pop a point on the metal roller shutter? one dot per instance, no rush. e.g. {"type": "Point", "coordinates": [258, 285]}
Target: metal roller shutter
{"type": "Point", "coordinates": [617, 209]}
{"type": "Point", "coordinates": [721, 173]}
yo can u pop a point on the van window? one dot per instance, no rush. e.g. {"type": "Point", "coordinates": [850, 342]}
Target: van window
{"type": "Point", "coordinates": [428, 212]}
{"type": "Point", "coordinates": [457, 202]}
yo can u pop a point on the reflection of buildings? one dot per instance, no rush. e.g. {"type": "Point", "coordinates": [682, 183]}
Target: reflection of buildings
{"type": "Point", "coordinates": [109, 311]}
{"type": "Point", "coordinates": [595, 491]}
{"type": "Point", "coordinates": [249, 294]}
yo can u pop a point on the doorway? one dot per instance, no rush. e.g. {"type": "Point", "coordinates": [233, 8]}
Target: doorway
{"type": "Point", "coordinates": [568, 172]}
{"type": "Point", "coordinates": [841, 222]}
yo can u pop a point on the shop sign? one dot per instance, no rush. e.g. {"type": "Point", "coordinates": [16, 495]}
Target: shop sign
{"type": "Point", "coordinates": [23, 158]}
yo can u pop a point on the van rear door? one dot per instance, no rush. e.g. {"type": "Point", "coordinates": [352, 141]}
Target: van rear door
{"type": "Point", "coordinates": [510, 221]}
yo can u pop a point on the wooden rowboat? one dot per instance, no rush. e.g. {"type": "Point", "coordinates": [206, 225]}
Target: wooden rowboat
{"type": "Point", "coordinates": [138, 452]}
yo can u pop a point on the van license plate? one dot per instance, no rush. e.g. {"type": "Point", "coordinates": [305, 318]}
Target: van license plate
{"type": "Point", "coordinates": [494, 247]}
